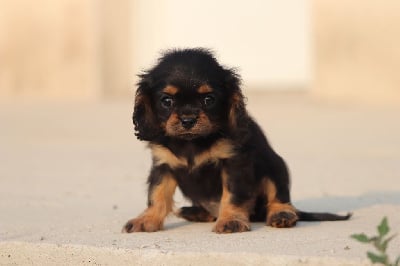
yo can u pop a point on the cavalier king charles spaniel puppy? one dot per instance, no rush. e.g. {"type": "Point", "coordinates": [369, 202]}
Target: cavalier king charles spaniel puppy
{"type": "Point", "coordinates": [190, 110]}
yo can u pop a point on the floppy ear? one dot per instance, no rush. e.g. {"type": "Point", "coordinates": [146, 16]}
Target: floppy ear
{"type": "Point", "coordinates": [144, 119]}
{"type": "Point", "coordinates": [237, 110]}
{"type": "Point", "coordinates": [237, 115]}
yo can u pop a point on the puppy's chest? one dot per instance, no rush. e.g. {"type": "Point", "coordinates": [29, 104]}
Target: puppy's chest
{"type": "Point", "coordinates": [191, 159]}
{"type": "Point", "coordinates": [197, 171]}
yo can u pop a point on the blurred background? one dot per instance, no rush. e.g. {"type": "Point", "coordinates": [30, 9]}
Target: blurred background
{"type": "Point", "coordinates": [322, 78]}
{"type": "Point", "coordinates": [343, 51]}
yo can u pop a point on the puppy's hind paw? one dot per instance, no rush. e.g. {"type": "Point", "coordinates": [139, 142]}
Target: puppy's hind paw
{"type": "Point", "coordinates": [195, 214]}
{"type": "Point", "coordinates": [282, 219]}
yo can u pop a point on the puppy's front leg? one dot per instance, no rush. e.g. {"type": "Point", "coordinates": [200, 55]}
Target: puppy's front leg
{"type": "Point", "coordinates": [233, 216]}
{"type": "Point", "coordinates": [160, 202]}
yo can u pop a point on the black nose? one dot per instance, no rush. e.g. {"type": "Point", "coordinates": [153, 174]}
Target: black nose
{"type": "Point", "coordinates": [188, 122]}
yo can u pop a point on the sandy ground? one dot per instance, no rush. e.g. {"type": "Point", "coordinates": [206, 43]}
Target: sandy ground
{"type": "Point", "coordinates": [71, 174]}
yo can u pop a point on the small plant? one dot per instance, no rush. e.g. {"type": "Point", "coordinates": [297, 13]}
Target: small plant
{"type": "Point", "coordinates": [380, 243]}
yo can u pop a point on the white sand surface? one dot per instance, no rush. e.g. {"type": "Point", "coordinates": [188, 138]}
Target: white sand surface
{"type": "Point", "coordinates": [71, 174]}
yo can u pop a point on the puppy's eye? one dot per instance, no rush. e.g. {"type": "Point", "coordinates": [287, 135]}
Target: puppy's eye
{"type": "Point", "coordinates": [167, 101]}
{"type": "Point", "coordinates": [209, 100]}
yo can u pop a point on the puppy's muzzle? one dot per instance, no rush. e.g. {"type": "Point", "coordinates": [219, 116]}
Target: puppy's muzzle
{"type": "Point", "coordinates": [188, 121]}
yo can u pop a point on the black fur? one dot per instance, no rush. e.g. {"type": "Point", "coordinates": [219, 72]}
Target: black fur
{"type": "Point", "coordinates": [251, 162]}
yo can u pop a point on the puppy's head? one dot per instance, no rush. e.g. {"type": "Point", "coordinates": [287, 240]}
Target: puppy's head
{"type": "Point", "coordinates": [187, 95]}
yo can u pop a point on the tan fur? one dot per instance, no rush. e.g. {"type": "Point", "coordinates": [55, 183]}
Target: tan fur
{"type": "Point", "coordinates": [162, 155]}
{"type": "Point", "coordinates": [145, 101]}
{"type": "Point", "coordinates": [171, 90]}
{"type": "Point", "coordinates": [275, 207]}
{"type": "Point", "coordinates": [161, 204]}
{"type": "Point", "coordinates": [281, 215]}
{"type": "Point", "coordinates": [229, 213]}
{"type": "Point", "coordinates": [222, 149]}
{"type": "Point", "coordinates": [236, 101]}
{"type": "Point", "coordinates": [271, 190]}
{"type": "Point", "coordinates": [172, 123]}
{"type": "Point", "coordinates": [161, 197]}
{"type": "Point", "coordinates": [204, 89]}
{"type": "Point", "coordinates": [203, 126]}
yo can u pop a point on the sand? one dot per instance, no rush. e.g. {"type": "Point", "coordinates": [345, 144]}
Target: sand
{"type": "Point", "coordinates": [72, 174]}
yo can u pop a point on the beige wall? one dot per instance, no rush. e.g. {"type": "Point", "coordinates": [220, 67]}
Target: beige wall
{"type": "Point", "coordinates": [357, 50]}
{"type": "Point", "coordinates": [64, 49]}
{"type": "Point", "coordinates": [268, 40]}
{"type": "Point", "coordinates": [48, 49]}
{"type": "Point", "coordinates": [115, 30]}
{"type": "Point", "coordinates": [92, 49]}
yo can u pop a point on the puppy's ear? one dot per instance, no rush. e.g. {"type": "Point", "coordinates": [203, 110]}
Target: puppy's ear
{"type": "Point", "coordinates": [237, 115]}
{"type": "Point", "coordinates": [144, 119]}
{"type": "Point", "coordinates": [237, 111]}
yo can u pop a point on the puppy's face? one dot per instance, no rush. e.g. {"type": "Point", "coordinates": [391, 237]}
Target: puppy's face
{"type": "Point", "coordinates": [187, 95]}
{"type": "Point", "coordinates": [190, 112]}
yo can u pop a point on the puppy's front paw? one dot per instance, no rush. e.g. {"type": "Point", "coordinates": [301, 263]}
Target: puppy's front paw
{"type": "Point", "coordinates": [142, 224]}
{"type": "Point", "coordinates": [224, 226]}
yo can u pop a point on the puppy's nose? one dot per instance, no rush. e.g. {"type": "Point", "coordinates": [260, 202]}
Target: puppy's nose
{"type": "Point", "coordinates": [188, 122]}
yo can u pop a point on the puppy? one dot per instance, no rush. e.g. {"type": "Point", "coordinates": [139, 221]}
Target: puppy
{"type": "Point", "coordinates": [191, 111]}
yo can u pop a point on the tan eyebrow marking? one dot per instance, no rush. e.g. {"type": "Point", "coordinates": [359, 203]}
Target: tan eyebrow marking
{"type": "Point", "coordinates": [170, 90]}
{"type": "Point", "coordinates": [204, 89]}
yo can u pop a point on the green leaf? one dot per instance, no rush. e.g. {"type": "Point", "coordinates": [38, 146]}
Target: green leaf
{"type": "Point", "coordinates": [377, 258]}
{"type": "Point", "coordinates": [386, 242]}
{"type": "Point", "coordinates": [377, 243]}
{"type": "Point", "coordinates": [363, 238]}
{"type": "Point", "coordinates": [383, 228]}
{"type": "Point", "coordinates": [380, 243]}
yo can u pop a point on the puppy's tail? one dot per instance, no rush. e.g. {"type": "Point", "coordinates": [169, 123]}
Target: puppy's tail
{"type": "Point", "coordinates": [321, 216]}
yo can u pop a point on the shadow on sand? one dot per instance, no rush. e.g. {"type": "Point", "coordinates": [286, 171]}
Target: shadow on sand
{"type": "Point", "coordinates": [348, 204]}
{"type": "Point", "coordinates": [325, 204]}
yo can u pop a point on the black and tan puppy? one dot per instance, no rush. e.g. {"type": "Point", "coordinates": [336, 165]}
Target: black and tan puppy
{"type": "Point", "coordinates": [191, 111]}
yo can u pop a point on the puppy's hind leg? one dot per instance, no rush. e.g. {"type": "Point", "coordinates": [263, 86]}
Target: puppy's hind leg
{"type": "Point", "coordinates": [280, 213]}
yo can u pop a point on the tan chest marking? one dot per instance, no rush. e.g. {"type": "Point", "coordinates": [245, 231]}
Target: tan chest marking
{"type": "Point", "coordinates": [222, 149]}
{"type": "Point", "coordinates": [162, 155]}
